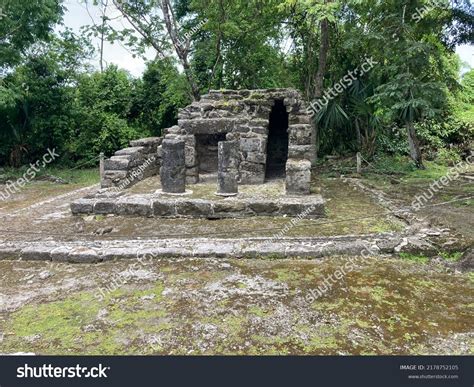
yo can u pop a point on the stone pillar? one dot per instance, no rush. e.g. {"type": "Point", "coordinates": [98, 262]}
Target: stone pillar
{"type": "Point", "coordinates": [192, 162]}
{"type": "Point", "coordinates": [173, 167]}
{"type": "Point", "coordinates": [228, 168]}
{"type": "Point", "coordinates": [298, 177]}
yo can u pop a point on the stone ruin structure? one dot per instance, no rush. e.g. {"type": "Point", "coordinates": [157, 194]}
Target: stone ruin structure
{"type": "Point", "coordinates": [245, 137]}
{"type": "Point", "coordinates": [271, 127]}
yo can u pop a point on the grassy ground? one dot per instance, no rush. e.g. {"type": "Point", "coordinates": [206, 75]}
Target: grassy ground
{"type": "Point", "coordinates": [402, 305]}
{"type": "Point", "coordinates": [72, 176]}
{"type": "Point", "coordinates": [236, 307]}
{"type": "Point", "coordinates": [349, 211]}
{"type": "Point", "coordinates": [39, 189]}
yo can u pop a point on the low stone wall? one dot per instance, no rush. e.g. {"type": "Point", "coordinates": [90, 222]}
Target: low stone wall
{"type": "Point", "coordinates": [159, 207]}
{"type": "Point", "coordinates": [130, 165]}
{"type": "Point", "coordinates": [308, 248]}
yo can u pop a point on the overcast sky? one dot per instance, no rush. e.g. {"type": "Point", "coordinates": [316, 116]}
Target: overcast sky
{"type": "Point", "coordinates": [77, 15]}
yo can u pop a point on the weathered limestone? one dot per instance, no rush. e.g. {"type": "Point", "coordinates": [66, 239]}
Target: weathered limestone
{"type": "Point", "coordinates": [298, 177]}
{"type": "Point", "coordinates": [244, 115]}
{"type": "Point", "coordinates": [173, 166]}
{"type": "Point", "coordinates": [106, 250]}
{"type": "Point", "coordinates": [228, 168]}
{"type": "Point", "coordinates": [147, 205]}
{"type": "Point", "coordinates": [130, 165]}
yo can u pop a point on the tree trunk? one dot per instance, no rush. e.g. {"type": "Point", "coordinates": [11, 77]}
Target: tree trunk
{"type": "Point", "coordinates": [181, 51]}
{"type": "Point", "coordinates": [414, 144]}
{"type": "Point", "coordinates": [319, 83]}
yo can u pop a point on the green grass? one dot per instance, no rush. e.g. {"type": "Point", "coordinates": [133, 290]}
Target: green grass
{"type": "Point", "coordinates": [404, 166]}
{"type": "Point", "coordinates": [451, 256]}
{"type": "Point", "coordinates": [396, 164]}
{"type": "Point", "coordinates": [433, 171]}
{"type": "Point", "coordinates": [76, 176]}
{"type": "Point", "coordinates": [72, 176]}
{"type": "Point", "coordinates": [418, 258]}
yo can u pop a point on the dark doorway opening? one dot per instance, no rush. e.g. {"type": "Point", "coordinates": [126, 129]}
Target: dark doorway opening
{"type": "Point", "coordinates": [207, 151]}
{"type": "Point", "coordinates": [277, 147]}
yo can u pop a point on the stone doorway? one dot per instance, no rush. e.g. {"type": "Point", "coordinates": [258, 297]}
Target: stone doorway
{"type": "Point", "coordinates": [277, 146]}
{"type": "Point", "coordinates": [207, 151]}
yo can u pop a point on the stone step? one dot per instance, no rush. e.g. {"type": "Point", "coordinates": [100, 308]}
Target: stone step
{"type": "Point", "coordinates": [93, 251]}
{"type": "Point", "coordinates": [148, 142]}
{"type": "Point", "coordinates": [312, 207]}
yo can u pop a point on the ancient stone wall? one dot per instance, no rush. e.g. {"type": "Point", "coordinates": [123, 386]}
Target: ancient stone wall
{"type": "Point", "coordinates": [243, 115]}
{"type": "Point", "coordinates": [240, 115]}
{"type": "Point", "coordinates": [130, 165]}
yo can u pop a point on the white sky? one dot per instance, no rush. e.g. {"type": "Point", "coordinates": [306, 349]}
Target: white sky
{"type": "Point", "coordinates": [77, 16]}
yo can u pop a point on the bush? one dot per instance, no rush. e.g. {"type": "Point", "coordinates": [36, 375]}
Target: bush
{"type": "Point", "coordinates": [447, 141]}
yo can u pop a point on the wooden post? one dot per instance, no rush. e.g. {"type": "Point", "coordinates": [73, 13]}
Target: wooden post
{"type": "Point", "coordinates": [101, 167]}
{"type": "Point", "coordinates": [359, 163]}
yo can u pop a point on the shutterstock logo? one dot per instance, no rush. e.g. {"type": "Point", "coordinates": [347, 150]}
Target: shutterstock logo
{"type": "Point", "coordinates": [48, 371]}
{"type": "Point", "coordinates": [2, 15]}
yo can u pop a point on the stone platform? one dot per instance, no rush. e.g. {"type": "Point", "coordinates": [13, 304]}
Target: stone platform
{"type": "Point", "coordinates": [144, 200]}
{"type": "Point", "coordinates": [184, 207]}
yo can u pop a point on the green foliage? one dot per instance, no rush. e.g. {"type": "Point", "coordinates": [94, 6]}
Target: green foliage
{"type": "Point", "coordinates": [464, 107]}
{"type": "Point", "coordinates": [50, 98]}
{"type": "Point", "coordinates": [158, 96]}
{"type": "Point", "coordinates": [23, 23]}
{"type": "Point", "coordinates": [446, 140]}
{"type": "Point", "coordinates": [418, 258]}
{"type": "Point", "coordinates": [239, 47]}
{"type": "Point", "coordinates": [451, 256]}
{"type": "Point", "coordinates": [35, 102]}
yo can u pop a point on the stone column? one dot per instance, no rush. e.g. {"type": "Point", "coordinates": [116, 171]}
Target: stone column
{"type": "Point", "coordinates": [228, 168]}
{"type": "Point", "coordinates": [173, 167]}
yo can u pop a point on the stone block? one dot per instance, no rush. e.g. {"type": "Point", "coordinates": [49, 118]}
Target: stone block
{"type": "Point", "coordinates": [228, 168]}
{"type": "Point", "coordinates": [116, 164]}
{"type": "Point", "coordinates": [255, 157]}
{"type": "Point", "coordinates": [8, 253]}
{"type": "Point", "coordinates": [252, 173]}
{"type": "Point", "coordinates": [105, 207]}
{"type": "Point", "coordinates": [82, 206]}
{"type": "Point", "coordinates": [252, 144]}
{"type": "Point", "coordinates": [291, 208]}
{"type": "Point", "coordinates": [296, 119]}
{"type": "Point", "coordinates": [191, 158]}
{"type": "Point", "coordinates": [36, 253]}
{"type": "Point", "coordinates": [210, 126]}
{"type": "Point", "coordinates": [194, 208]}
{"type": "Point", "coordinates": [298, 177]}
{"type": "Point", "coordinates": [259, 130]}
{"type": "Point", "coordinates": [229, 207]}
{"type": "Point", "coordinates": [173, 166]}
{"type": "Point", "coordinates": [263, 206]}
{"type": "Point", "coordinates": [134, 207]}
{"type": "Point", "coordinates": [115, 175]}
{"type": "Point", "coordinates": [130, 151]}
{"type": "Point", "coordinates": [300, 134]}
{"type": "Point", "coordinates": [79, 255]}
{"type": "Point", "coordinates": [192, 175]}
{"type": "Point", "coordinates": [300, 152]}
{"type": "Point", "coordinates": [164, 208]}
{"type": "Point", "coordinates": [149, 142]}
